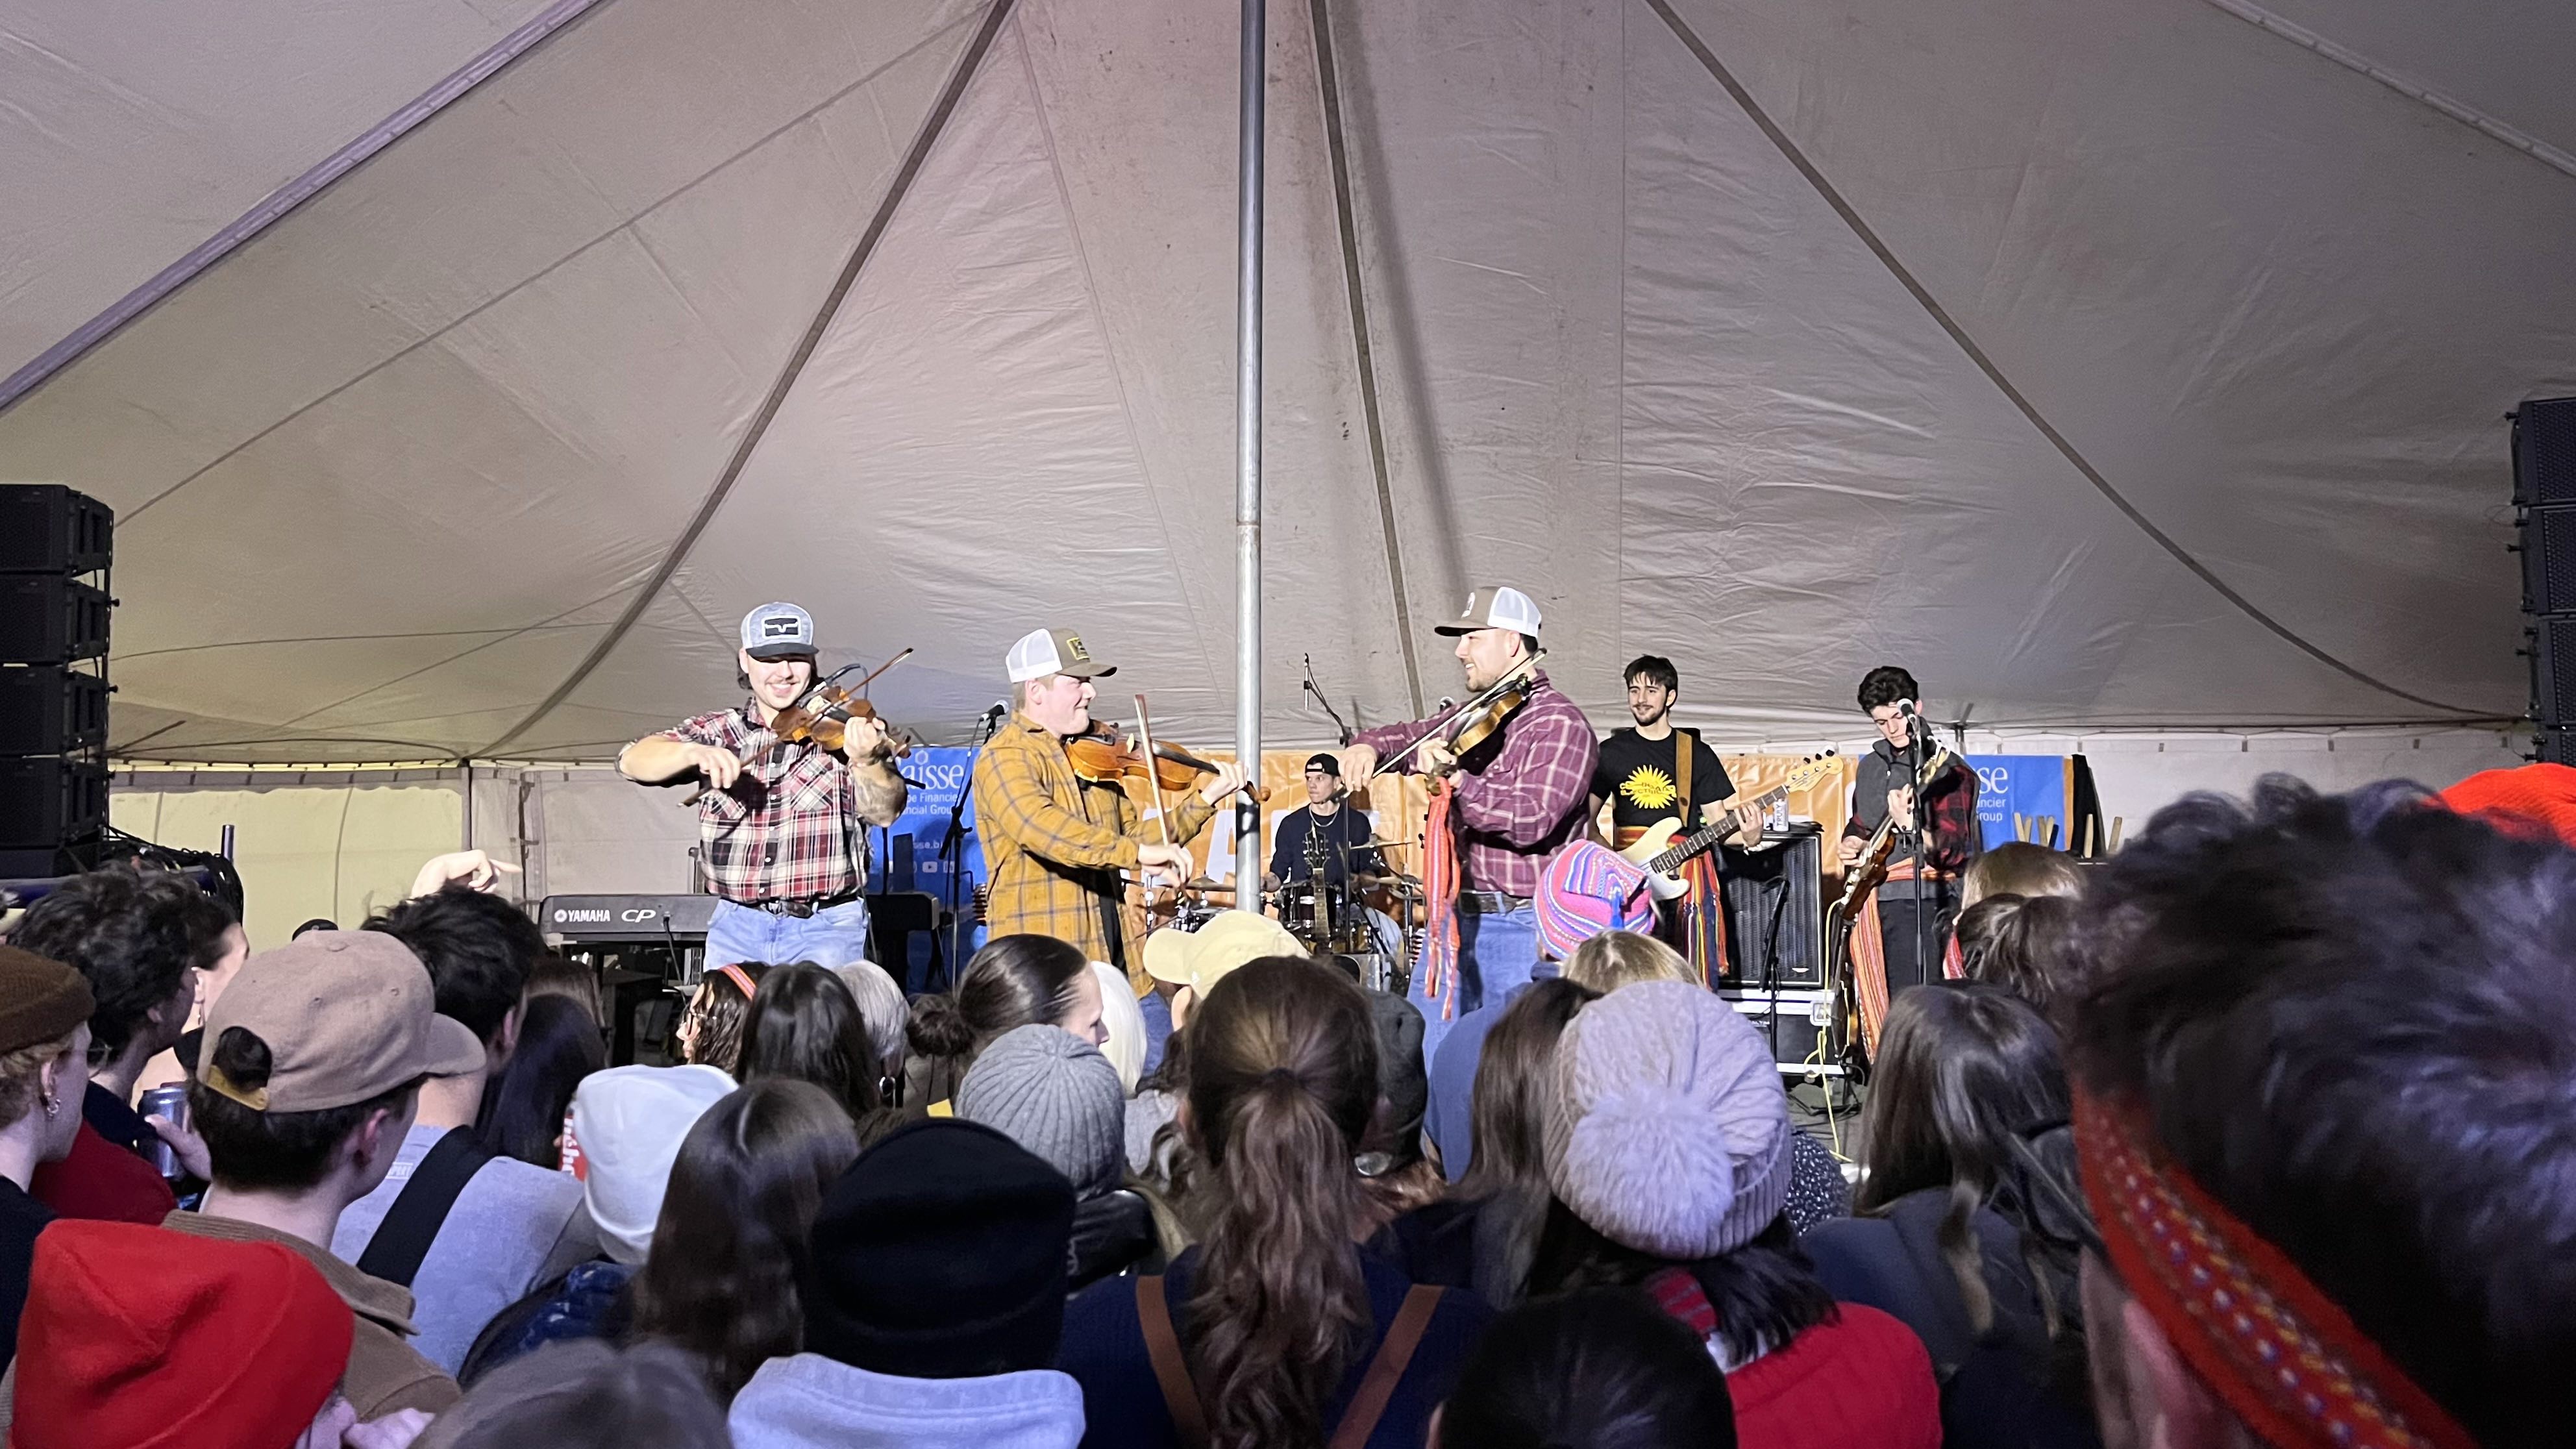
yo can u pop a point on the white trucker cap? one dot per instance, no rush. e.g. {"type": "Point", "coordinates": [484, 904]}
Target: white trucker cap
{"type": "Point", "coordinates": [1499, 607]}
{"type": "Point", "coordinates": [1042, 652]}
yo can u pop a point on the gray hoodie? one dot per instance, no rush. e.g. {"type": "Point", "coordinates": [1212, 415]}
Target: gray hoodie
{"type": "Point", "coordinates": [811, 1402]}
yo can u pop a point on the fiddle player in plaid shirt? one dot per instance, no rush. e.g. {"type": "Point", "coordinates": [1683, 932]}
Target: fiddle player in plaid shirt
{"type": "Point", "coordinates": [1055, 844]}
{"type": "Point", "coordinates": [1520, 796]}
{"type": "Point", "coordinates": [780, 827]}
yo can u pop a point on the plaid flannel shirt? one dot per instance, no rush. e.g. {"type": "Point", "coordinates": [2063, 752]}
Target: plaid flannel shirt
{"type": "Point", "coordinates": [786, 830]}
{"type": "Point", "coordinates": [1949, 803]}
{"type": "Point", "coordinates": [1521, 798]}
{"type": "Point", "coordinates": [1054, 843]}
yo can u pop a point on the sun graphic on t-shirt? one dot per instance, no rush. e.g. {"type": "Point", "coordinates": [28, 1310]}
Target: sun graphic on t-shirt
{"type": "Point", "coordinates": [1648, 788]}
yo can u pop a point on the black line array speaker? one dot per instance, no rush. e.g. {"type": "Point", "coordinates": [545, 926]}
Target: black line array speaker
{"type": "Point", "coordinates": [1775, 910]}
{"type": "Point", "coordinates": [55, 548]}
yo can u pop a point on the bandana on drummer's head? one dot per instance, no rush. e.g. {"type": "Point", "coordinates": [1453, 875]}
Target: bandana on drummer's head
{"type": "Point", "coordinates": [2282, 1355]}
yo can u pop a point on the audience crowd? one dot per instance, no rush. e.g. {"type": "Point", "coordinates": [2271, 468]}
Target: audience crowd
{"type": "Point", "coordinates": [2256, 1133]}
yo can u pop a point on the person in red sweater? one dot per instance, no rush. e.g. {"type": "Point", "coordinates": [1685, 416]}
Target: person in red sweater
{"type": "Point", "coordinates": [141, 938]}
{"type": "Point", "coordinates": [1668, 1153]}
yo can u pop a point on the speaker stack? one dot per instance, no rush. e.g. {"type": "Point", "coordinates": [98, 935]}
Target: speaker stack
{"type": "Point", "coordinates": [54, 604]}
{"type": "Point", "coordinates": [2544, 497]}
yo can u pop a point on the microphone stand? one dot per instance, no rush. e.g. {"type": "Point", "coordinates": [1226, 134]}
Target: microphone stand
{"type": "Point", "coordinates": [952, 858]}
{"type": "Point", "coordinates": [1916, 754]}
{"type": "Point", "coordinates": [1343, 732]}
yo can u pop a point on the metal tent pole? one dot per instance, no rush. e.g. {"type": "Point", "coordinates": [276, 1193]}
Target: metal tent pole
{"type": "Point", "coordinates": [1247, 424]}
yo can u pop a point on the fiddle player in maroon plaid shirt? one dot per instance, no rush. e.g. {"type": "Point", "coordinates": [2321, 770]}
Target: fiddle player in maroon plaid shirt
{"type": "Point", "coordinates": [780, 829]}
{"type": "Point", "coordinates": [1520, 795]}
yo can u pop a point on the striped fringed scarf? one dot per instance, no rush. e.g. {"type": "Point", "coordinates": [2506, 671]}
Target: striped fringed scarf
{"type": "Point", "coordinates": [1438, 966]}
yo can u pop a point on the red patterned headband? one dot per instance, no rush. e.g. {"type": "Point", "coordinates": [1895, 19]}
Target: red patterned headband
{"type": "Point", "coordinates": [739, 978]}
{"type": "Point", "coordinates": [2282, 1355]}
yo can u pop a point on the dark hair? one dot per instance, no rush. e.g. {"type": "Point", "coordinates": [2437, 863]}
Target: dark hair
{"type": "Point", "coordinates": [1601, 1369]}
{"type": "Point", "coordinates": [275, 1151]}
{"type": "Point", "coordinates": [586, 1394]}
{"type": "Point", "coordinates": [1963, 1069]}
{"type": "Point", "coordinates": [553, 975]}
{"type": "Point", "coordinates": [1656, 668]}
{"type": "Point", "coordinates": [1016, 980]}
{"type": "Point", "coordinates": [2348, 1019]}
{"type": "Point", "coordinates": [1529, 644]}
{"type": "Point", "coordinates": [1283, 1082]}
{"type": "Point", "coordinates": [1765, 1292]}
{"type": "Point", "coordinates": [479, 949]}
{"type": "Point", "coordinates": [805, 1025]}
{"type": "Point", "coordinates": [720, 1280]}
{"type": "Point", "coordinates": [1507, 1173]}
{"type": "Point", "coordinates": [135, 935]}
{"type": "Point", "coordinates": [1886, 685]}
{"type": "Point", "coordinates": [2029, 945]}
{"type": "Point", "coordinates": [720, 1006]}
{"type": "Point", "coordinates": [559, 1044]}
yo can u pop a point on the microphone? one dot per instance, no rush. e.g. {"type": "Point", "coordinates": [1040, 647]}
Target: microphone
{"type": "Point", "coordinates": [994, 715]}
{"type": "Point", "coordinates": [1905, 707]}
{"type": "Point", "coordinates": [1447, 701]}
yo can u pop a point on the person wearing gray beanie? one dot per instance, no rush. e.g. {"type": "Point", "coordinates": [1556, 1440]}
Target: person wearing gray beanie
{"type": "Point", "coordinates": [1056, 1095]}
{"type": "Point", "coordinates": [1668, 1152]}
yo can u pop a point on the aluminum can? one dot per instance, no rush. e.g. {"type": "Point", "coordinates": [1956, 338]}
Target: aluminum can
{"type": "Point", "coordinates": [170, 1102]}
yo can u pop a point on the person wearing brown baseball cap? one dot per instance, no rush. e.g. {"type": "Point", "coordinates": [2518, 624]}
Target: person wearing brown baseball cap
{"type": "Point", "coordinates": [44, 1069]}
{"type": "Point", "coordinates": [310, 1078]}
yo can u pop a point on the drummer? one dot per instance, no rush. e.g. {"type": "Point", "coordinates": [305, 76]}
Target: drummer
{"type": "Point", "coordinates": [1326, 832]}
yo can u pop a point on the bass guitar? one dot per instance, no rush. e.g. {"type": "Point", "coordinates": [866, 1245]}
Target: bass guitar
{"type": "Point", "coordinates": [1663, 856]}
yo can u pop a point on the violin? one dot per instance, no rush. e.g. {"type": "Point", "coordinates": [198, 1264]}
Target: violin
{"type": "Point", "coordinates": [1476, 721]}
{"type": "Point", "coordinates": [1104, 754]}
{"type": "Point", "coordinates": [822, 715]}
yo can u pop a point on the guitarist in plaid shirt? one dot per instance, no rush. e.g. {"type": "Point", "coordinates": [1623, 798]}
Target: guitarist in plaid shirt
{"type": "Point", "coordinates": [1055, 844]}
{"type": "Point", "coordinates": [779, 827]}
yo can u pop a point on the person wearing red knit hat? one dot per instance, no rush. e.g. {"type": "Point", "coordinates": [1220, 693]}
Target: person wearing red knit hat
{"type": "Point", "coordinates": [138, 1338]}
{"type": "Point", "coordinates": [2542, 796]}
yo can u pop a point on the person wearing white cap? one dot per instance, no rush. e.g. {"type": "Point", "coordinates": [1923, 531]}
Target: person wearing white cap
{"type": "Point", "coordinates": [1056, 843]}
{"type": "Point", "coordinates": [781, 825]}
{"type": "Point", "coordinates": [1518, 795]}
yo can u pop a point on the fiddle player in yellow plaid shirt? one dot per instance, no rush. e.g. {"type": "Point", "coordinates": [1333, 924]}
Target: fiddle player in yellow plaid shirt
{"type": "Point", "coordinates": [1056, 844]}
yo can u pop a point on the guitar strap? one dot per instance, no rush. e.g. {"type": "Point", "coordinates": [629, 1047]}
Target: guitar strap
{"type": "Point", "coordinates": [1682, 752]}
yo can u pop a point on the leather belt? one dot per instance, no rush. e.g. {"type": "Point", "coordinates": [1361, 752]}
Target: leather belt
{"type": "Point", "coordinates": [801, 907]}
{"type": "Point", "coordinates": [1490, 903]}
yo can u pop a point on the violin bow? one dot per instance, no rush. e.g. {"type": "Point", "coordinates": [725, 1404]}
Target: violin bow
{"type": "Point", "coordinates": [817, 687]}
{"type": "Point", "coordinates": [1154, 784]}
{"type": "Point", "coordinates": [1479, 700]}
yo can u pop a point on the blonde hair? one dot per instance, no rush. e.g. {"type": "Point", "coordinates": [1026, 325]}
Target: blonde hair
{"type": "Point", "coordinates": [1622, 958]}
{"type": "Point", "coordinates": [20, 1071]}
{"type": "Point", "coordinates": [2020, 868]}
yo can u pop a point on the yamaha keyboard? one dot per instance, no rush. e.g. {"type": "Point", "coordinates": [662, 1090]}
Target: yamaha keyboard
{"type": "Point", "coordinates": [660, 920]}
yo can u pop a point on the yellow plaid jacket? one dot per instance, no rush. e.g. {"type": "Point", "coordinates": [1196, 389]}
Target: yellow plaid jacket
{"type": "Point", "coordinates": [1054, 843]}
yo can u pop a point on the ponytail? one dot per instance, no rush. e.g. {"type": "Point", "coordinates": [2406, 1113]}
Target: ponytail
{"type": "Point", "coordinates": [1283, 1083]}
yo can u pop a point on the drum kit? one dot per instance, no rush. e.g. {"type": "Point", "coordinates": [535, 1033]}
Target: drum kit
{"type": "Point", "coordinates": [1372, 924]}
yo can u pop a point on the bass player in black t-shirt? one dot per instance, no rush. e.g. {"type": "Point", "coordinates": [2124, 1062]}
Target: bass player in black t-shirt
{"type": "Point", "coordinates": [1656, 772]}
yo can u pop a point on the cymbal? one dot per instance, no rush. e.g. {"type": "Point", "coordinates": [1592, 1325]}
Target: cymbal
{"type": "Point", "coordinates": [1206, 883]}
{"type": "Point", "coordinates": [1379, 842]}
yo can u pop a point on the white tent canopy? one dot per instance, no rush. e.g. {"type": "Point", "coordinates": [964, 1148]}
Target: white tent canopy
{"type": "Point", "coordinates": [2113, 364]}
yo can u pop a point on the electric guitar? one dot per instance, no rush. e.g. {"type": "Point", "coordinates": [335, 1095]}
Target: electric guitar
{"type": "Point", "coordinates": [1868, 871]}
{"type": "Point", "coordinates": [1663, 856]}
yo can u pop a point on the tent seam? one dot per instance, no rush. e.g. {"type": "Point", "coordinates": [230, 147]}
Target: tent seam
{"type": "Point", "coordinates": [1108, 351]}
{"type": "Point", "coordinates": [1878, 247]}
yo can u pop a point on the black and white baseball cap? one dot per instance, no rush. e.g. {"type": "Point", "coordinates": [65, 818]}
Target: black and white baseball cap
{"type": "Point", "coordinates": [1042, 653]}
{"type": "Point", "coordinates": [778, 631]}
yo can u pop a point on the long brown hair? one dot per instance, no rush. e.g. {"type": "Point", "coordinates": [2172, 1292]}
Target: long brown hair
{"type": "Point", "coordinates": [1507, 1175]}
{"type": "Point", "coordinates": [1962, 1069]}
{"type": "Point", "coordinates": [721, 1278]}
{"type": "Point", "coordinates": [805, 1025]}
{"type": "Point", "coordinates": [716, 1013]}
{"type": "Point", "coordinates": [1283, 1082]}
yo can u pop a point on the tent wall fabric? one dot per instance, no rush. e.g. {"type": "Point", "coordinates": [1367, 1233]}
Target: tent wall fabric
{"type": "Point", "coordinates": [2111, 365]}
{"type": "Point", "coordinates": [344, 843]}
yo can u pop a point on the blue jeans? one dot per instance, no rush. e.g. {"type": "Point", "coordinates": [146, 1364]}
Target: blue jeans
{"type": "Point", "coordinates": [833, 936]}
{"type": "Point", "coordinates": [1496, 955]}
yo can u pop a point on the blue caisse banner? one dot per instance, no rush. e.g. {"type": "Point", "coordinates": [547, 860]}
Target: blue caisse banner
{"type": "Point", "coordinates": [2035, 787]}
{"type": "Point", "coordinates": [916, 853]}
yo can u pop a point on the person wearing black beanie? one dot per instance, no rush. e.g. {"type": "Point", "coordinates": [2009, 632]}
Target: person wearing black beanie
{"type": "Point", "coordinates": [934, 1293]}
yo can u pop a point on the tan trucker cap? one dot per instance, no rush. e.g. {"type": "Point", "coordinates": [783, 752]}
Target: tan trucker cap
{"type": "Point", "coordinates": [346, 1016]}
